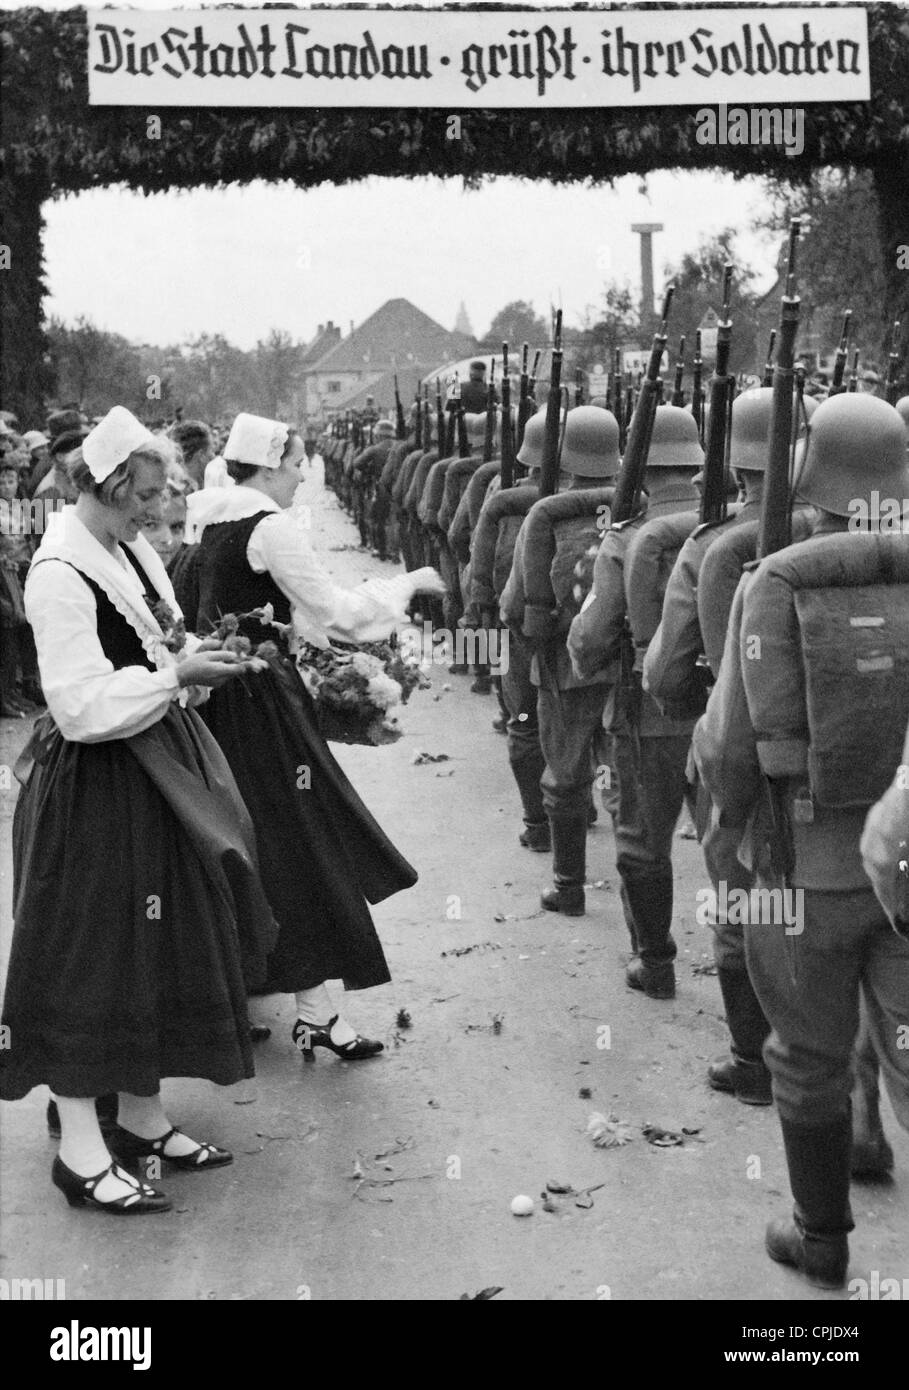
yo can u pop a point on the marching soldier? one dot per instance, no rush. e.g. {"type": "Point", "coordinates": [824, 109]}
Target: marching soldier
{"type": "Point", "coordinates": [492, 557]}
{"type": "Point", "coordinates": [372, 514]}
{"type": "Point", "coordinates": [569, 706]}
{"type": "Point", "coordinates": [650, 749]}
{"type": "Point", "coordinates": [678, 682]}
{"type": "Point", "coordinates": [784, 757]}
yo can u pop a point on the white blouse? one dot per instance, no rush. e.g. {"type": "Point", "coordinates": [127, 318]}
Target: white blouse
{"type": "Point", "coordinates": [89, 700]}
{"type": "Point", "coordinates": [280, 545]}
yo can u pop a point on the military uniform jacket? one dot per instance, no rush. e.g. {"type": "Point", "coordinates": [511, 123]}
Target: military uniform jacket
{"type": "Point", "coordinates": [595, 634]}
{"type": "Point", "coordinates": [669, 666]}
{"type": "Point", "coordinates": [368, 465]}
{"type": "Point", "coordinates": [512, 605]}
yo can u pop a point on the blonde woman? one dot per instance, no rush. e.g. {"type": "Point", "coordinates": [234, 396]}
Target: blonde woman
{"type": "Point", "coordinates": [133, 855]}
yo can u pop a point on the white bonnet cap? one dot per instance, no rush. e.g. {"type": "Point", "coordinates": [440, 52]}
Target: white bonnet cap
{"type": "Point", "coordinates": [112, 441]}
{"type": "Point", "coordinates": [256, 441]}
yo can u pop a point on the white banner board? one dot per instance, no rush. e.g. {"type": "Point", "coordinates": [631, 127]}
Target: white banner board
{"type": "Point", "coordinates": [463, 59]}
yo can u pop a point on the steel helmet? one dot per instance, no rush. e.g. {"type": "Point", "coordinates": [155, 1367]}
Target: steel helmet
{"type": "Point", "coordinates": [530, 453]}
{"type": "Point", "coordinates": [750, 443]}
{"type": "Point", "coordinates": [902, 407]}
{"type": "Point", "coordinates": [856, 445]}
{"type": "Point", "coordinates": [674, 442]}
{"type": "Point", "coordinates": [591, 445]}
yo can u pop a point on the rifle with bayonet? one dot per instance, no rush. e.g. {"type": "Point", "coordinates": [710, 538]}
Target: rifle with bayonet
{"type": "Point", "coordinates": [697, 392]}
{"type": "Point", "coordinates": [525, 409]}
{"type": "Point", "coordinates": [853, 375]}
{"type": "Point", "coordinates": [532, 383]}
{"type": "Point", "coordinates": [549, 470]}
{"type": "Point", "coordinates": [418, 420]}
{"type": "Point", "coordinates": [775, 530]}
{"type": "Point", "coordinates": [400, 422]}
{"type": "Point", "coordinates": [508, 444]}
{"type": "Point", "coordinates": [578, 386]}
{"type": "Point", "coordinates": [892, 390]}
{"type": "Point", "coordinates": [617, 399]}
{"type": "Point", "coordinates": [489, 438]}
{"type": "Point", "coordinates": [634, 460]}
{"type": "Point", "coordinates": [768, 365]}
{"type": "Point", "coordinates": [460, 424]}
{"type": "Point", "coordinates": [842, 353]}
{"type": "Point", "coordinates": [713, 489]}
{"type": "Point", "coordinates": [440, 419]}
{"type": "Point", "coordinates": [678, 394]}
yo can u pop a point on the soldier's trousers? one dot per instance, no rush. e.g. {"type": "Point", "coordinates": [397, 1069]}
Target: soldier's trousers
{"type": "Point", "coordinates": [378, 520]}
{"type": "Point", "coordinates": [810, 983]}
{"type": "Point", "coordinates": [720, 848]}
{"type": "Point", "coordinates": [651, 793]}
{"type": "Point", "coordinates": [524, 751]}
{"type": "Point", "coordinates": [573, 741]}
{"type": "Point", "coordinates": [452, 607]}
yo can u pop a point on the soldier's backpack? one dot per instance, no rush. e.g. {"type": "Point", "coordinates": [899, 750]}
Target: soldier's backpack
{"type": "Point", "coordinates": [492, 551]}
{"type": "Point", "coordinates": [825, 661]}
{"type": "Point", "coordinates": [557, 532]}
{"type": "Point", "coordinates": [720, 572]}
{"type": "Point", "coordinates": [648, 565]}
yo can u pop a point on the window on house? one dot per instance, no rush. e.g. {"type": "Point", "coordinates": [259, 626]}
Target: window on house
{"type": "Point", "coordinates": [334, 388]}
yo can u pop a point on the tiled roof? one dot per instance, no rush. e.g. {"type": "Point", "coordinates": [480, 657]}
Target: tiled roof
{"type": "Point", "coordinates": [399, 333]}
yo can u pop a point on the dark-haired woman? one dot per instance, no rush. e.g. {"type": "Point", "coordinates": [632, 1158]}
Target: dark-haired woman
{"type": "Point", "coordinates": [322, 855]}
{"type": "Point", "coordinates": [133, 855]}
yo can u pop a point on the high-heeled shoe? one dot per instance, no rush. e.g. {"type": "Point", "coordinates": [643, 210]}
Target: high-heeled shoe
{"type": "Point", "coordinates": [129, 1147]}
{"type": "Point", "coordinates": [80, 1192]}
{"type": "Point", "coordinates": [307, 1036]}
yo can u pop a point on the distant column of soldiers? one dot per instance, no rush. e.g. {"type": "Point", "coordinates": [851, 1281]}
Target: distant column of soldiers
{"type": "Point", "coordinates": [707, 611]}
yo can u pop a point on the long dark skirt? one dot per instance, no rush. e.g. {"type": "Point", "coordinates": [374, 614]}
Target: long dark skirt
{"type": "Point", "coordinates": [322, 856]}
{"type": "Point", "coordinates": [137, 908]}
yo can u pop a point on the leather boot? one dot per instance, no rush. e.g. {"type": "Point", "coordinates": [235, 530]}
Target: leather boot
{"type": "Point", "coordinates": [872, 1156]}
{"type": "Point", "coordinates": [569, 863]}
{"type": "Point", "coordinates": [527, 773]}
{"type": "Point", "coordinates": [815, 1240]}
{"type": "Point", "coordinates": [744, 1074]}
{"type": "Point", "coordinates": [650, 901]}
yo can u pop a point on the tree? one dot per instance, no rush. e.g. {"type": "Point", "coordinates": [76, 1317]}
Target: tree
{"type": "Point", "coordinates": [606, 330]}
{"type": "Point", "coordinates": [698, 280]}
{"type": "Point", "coordinates": [95, 368]}
{"type": "Point", "coordinates": [840, 262]}
{"type": "Point", "coordinates": [516, 324]}
{"type": "Point", "coordinates": [277, 361]}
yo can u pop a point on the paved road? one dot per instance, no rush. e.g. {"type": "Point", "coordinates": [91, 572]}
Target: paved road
{"type": "Point", "coordinates": [478, 1101]}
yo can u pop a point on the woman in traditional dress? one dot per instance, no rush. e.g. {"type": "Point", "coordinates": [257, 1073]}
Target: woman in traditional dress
{"type": "Point", "coordinates": [137, 906]}
{"type": "Point", "coordinates": [322, 855]}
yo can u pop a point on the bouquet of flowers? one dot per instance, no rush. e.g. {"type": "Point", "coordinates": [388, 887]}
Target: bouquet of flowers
{"type": "Point", "coordinates": [355, 689]}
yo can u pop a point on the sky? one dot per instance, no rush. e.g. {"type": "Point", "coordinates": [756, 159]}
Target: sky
{"type": "Point", "coordinates": [165, 268]}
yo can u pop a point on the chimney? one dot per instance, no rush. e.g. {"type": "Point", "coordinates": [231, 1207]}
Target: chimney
{"type": "Point", "coordinates": [330, 325]}
{"type": "Point", "coordinates": [321, 330]}
{"type": "Point", "coordinates": [646, 231]}
{"type": "Point", "coordinates": [351, 327]}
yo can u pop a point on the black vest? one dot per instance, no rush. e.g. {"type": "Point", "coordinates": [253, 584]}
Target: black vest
{"type": "Point", "coordinates": [228, 584]}
{"type": "Point", "coordinates": [119, 639]}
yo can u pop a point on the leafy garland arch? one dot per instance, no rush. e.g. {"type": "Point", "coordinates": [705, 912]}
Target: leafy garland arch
{"type": "Point", "coordinates": [54, 143]}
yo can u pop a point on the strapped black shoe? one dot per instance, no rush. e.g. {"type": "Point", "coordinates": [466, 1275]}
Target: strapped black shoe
{"type": "Point", "coordinates": [80, 1192]}
{"type": "Point", "coordinates": [131, 1147]}
{"type": "Point", "coordinates": [307, 1036]}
